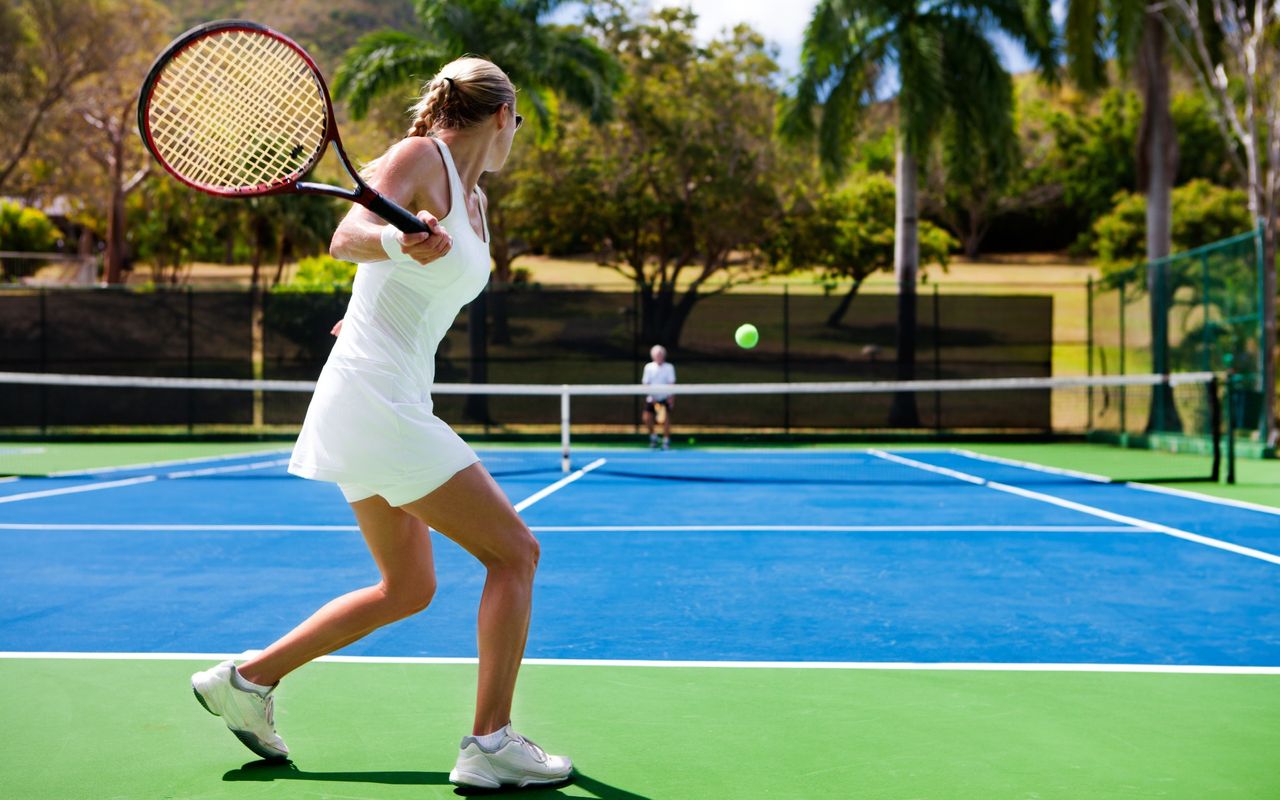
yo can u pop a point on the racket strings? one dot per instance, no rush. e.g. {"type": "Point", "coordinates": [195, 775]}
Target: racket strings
{"type": "Point", "coordinates": [254, 69]}
{"type": "Point", "coordinates": [238, 110]}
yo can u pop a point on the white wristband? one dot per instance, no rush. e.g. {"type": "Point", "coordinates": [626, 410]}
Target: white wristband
{"type": "Point", "coordinates": [391, 244]}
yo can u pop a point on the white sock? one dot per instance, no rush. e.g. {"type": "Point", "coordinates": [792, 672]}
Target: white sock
{"type": "Point", "coordinates": [490, 741]}
{"type": "Point", "coordinates": [245, 685]}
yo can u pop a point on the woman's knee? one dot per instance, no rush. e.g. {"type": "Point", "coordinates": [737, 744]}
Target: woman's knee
{"type": "Point", "coordinates": [519, 550]}
{"type": "Point", "coordinates": [407, 597]}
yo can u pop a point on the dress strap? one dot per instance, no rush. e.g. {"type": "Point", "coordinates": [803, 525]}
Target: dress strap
{"type": "Point", "coordinates": [456, 192]}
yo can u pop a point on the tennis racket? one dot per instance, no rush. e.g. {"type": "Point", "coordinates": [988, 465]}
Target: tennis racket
{"type": "Point", "coordinates": [660, 413]}
{"type": "Point", "coordinates": [236, 109]}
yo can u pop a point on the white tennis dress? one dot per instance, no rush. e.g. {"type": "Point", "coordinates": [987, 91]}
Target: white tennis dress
{"type": "Point", "coordinates": [371, 427]}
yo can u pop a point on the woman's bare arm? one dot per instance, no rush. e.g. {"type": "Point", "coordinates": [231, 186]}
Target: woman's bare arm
{"type": "Point", "coordinates": [405, 176]}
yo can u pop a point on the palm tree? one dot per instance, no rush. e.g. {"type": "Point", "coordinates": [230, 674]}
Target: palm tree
{"type": "Point", "coordinates": [947, 70]}
{"type": "Point", "coordinates": [1136, 35]}
{"type": "Point", "coordinates": [546, 61]}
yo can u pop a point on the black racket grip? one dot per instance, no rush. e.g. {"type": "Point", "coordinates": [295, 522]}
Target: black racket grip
{"type": "Point", "coordinates": [395, 214]}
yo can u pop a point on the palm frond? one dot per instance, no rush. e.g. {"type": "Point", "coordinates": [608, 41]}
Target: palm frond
{"type": "Point", "coordinates": [383, 62]}
{"type": "Point", "coordinates": [922, 97]}
{"type": "Point", "coordinates": [1027, 22]}
{"type": "Point", "coordinates": [980, 99]}
{"type": "Point", "coordinates": [840, 115]}
{"type": "Point", "coordinates": [1124, 30]}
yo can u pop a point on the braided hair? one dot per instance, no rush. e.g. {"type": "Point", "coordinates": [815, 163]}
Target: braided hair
{"type": "Point", "coordinates": [464, 93]}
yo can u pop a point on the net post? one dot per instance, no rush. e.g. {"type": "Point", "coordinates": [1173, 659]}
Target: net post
{"type": "Point", "coordinates": [786, 357]}
{"type": "Point", "coordinates": [191, 371]}
{"type": "Point", "coordinates": [937, 360]}
{"type": "Point", "coordinates": [44, 360]}
{"type": "Point", "coordinates": [564, 427]}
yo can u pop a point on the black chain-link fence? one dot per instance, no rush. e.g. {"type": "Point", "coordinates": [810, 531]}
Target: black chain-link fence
{"type": "Point", "coordinates": [556, 336]}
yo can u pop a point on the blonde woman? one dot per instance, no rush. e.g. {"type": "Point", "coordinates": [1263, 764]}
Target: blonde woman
{"type": "Point", "coordinates": [371, 429]}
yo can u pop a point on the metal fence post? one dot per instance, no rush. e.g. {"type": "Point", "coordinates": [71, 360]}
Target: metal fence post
{"type": "Point", "coordinates": [1088, 336]}
{"type": "Point", "coordinates": [786, 357]}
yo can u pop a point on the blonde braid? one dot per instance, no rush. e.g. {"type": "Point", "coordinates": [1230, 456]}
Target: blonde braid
{"type": "Point", "coordinates": [432, 108]}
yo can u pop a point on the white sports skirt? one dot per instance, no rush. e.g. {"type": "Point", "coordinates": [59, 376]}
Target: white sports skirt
{"type": "Point", "coordinates": [371, 431]}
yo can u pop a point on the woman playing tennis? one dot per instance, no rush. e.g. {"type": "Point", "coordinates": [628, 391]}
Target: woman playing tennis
{"type": "Point", "coordinates": [371, 429]}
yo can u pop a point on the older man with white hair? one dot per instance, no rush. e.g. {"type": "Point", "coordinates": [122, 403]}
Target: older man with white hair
{"type": "Point", "coordinates": [659, 372]}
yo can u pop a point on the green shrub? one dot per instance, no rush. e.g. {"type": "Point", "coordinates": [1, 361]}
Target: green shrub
{"type": "Point", "coordinates": [26, 230]}
{"type": "Point", "coordinates": [1203, 212]}
{"type": "Point", "coordinates": [322, 273]}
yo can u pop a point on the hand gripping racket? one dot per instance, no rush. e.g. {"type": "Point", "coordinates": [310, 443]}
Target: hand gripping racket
{"type": "Point", "coordinates": [236, 109]}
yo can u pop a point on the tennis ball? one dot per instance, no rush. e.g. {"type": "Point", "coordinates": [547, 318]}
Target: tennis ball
{"type": "Point", "coordinates": [746, 336]}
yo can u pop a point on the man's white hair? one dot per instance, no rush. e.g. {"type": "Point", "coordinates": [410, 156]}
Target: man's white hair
{"type": "Point", "coordinates": [657, 348]}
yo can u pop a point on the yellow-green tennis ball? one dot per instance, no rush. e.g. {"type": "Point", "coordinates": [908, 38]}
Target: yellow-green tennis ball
{"type": "Point", "coordinates": [746, 336]}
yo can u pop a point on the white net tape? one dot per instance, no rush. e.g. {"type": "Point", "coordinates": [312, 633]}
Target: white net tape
{"type": "Point", "coordinates": [237, 110]}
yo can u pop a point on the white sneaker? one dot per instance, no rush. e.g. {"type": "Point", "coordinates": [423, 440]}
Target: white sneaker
{"type": "Point", "coordinates": [516, 761]}
{"type": "Point", "coordinates": [249, 715]}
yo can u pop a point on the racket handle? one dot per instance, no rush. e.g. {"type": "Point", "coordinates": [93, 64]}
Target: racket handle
{"type": "Point", "coordinates": [395, 215]}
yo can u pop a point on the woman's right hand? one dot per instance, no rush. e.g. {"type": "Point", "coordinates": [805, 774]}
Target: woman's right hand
{"type": "Point", "coordinates": [426, 247]}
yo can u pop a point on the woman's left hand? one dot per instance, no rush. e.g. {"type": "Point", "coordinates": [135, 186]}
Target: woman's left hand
{"type": "Point", "coordinates": [337, 328]}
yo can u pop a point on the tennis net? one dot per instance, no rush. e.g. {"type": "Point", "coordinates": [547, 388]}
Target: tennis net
{"type": "Point", "coordinates": [1112, 410]}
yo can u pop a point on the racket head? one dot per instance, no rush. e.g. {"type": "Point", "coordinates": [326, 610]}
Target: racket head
{"type": "Point", "coordinates": [234, 108]}
{"type": "Point", "coordinates": [660, 412]}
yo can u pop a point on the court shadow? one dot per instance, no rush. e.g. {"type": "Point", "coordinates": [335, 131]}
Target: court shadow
{"type": "Point", "coordinates": [277, 770]}
{"type": "Point", "coordinates": [598, 789]}
{"type": "Point", "coordinates": [280, 770]}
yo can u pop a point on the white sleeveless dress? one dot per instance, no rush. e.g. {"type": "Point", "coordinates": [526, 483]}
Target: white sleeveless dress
{"type": "Point", "coordinates": [371, 427]}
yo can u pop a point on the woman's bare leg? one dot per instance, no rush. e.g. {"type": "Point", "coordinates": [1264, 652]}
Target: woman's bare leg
{"type": "Point", "coordinates": [471, 510]}
{"type": "Point", "coordinates": [401, 547]}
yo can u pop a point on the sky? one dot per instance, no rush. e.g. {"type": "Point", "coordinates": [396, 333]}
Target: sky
{"type": "Point", "coordinates": [783, 24]}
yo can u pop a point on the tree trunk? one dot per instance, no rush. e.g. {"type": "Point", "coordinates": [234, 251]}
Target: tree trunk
{"type": "Point", "coordinates": [837, 316]}
{"type": "Point", "coordinates": [285, 248]}
{"type": "Point", "coordinates": [1157, 168]}
{"type": "Point", "coordinates": [906, 262]}
{"type": "Point", "coordinates": [662, 317]}
{"type": "Point", "coordinates": [1269, 425]}
{"type": "Point", "coordinates": [259, 234]}
{"type": "Point", "coordinates": [115, 217]}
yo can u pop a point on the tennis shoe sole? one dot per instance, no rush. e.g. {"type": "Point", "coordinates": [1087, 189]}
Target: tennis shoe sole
{"type": "Point", "coordinates": [248, 738]}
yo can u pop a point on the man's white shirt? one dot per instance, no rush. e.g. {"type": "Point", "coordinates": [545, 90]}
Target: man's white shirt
{"type": "Point", "coordinates": [656, 374]}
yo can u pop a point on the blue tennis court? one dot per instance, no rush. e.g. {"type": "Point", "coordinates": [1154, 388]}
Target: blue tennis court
{"type": "Point", "coordinates": [796, 556]}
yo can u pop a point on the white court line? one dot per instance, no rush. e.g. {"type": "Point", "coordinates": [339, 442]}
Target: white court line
{"type": "Point", "coordinates": [84, 487]}
{"type": "Point", "coordinates": [93, 487]}
{"type": "Point", "coordinates": [18, 526]}
{"type": "Point", "coordinates": [840, 528]}
{"type": "Point", "coordinates": [1146, 487]}
{"type": "Point", "coordinates": [196, 473]}
{"type": "Point", "coordinates": [43, 526]}
{"type": "Point", "coordinates": [1181, 669]}
{"type": "Point", "coordinates": [171, 463]}
{"type": "Point", "coordinates": [1013, 462]}
{"type": "Point", "coordinates": [10, 479]}
{"type": "Point", "coordinates": [1205, 498]}
{"type": "Point", "coordinates": [558, 485]}
{"type": "Point", "coordinates": [1086, 509]}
